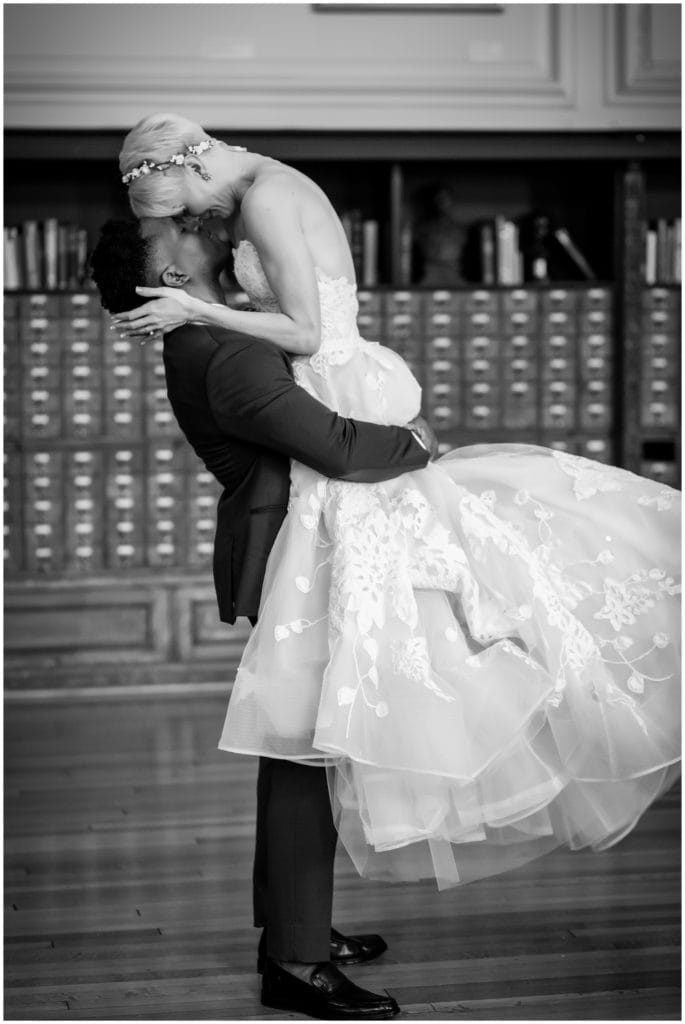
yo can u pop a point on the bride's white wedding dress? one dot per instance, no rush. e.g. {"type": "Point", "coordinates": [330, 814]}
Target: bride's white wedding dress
{"type": "Point", "coordinates": [485, 652]}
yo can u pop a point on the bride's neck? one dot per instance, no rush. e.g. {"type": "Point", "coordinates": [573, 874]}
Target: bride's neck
{"type": "Point", "coordinates": [240, 173]}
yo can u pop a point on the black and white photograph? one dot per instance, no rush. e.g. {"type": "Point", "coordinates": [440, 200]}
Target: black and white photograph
{"type": "Point", "coordinates": [342, 511]}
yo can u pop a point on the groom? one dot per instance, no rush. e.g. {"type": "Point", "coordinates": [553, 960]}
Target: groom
{"type": "Point", "coordinates": [236, 401]}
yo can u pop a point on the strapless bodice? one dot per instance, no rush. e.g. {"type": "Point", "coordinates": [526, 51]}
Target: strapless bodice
{"type": "Point", "coordinates": [356, 377]}
{"type": "Point", "coordinates": [337, 297]}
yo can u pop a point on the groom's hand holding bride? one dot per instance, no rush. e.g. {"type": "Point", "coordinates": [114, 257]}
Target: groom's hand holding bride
{"type": "Point", "coordinates": [424, 435]}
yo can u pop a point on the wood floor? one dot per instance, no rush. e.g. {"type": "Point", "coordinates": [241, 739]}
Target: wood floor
{"type": "Point", "coordinates": [128, 858]}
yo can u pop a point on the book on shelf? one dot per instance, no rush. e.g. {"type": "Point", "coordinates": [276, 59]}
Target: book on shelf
{"type": "Point", "coordinates": [406, 254]}
{"type": "Point", "coordinates": [500, 252]}
{"type": "Point", "coordinates": [32, 255]}
{"type": "Point", "coordinates": [12, 259]}
{"type": "Point", "coordinates": [662, 260]}
{"type": "Point", "coordinates": [677, 250]}
{"type": "Point", "coordinates": [508, 252]}
{"type": "Point", "coordinates": [573, 252]}
{"type": "Point", "coordinates": [650, 256]}
{"type": "Point", "coordinates": [45, 255]}
{"type": "Point", "coordinates": [81, 267]}
{"type": "Point", "coordinates": [51, 251]}
{"type": "Point", "coordinates": [490, 254]}
{"type": "Point", "coordinates": [369, 277]}
{"type": "Point", "coordinates": [662, 253]}
{"type": "Point", "coordinates": [670, 253]}
{"type": "Point", "coordinates": [363, 239]}
{"type": "Point", "coordinates": [62, 259]}
{"type": "Point", "coordinates": [500, 246]}
{"type": "Point", "coordinates": [487, 253]}
{"type": "Point", "coordinates": [531, 250]}
{"type": "Point", "coordinates": [73, 252]}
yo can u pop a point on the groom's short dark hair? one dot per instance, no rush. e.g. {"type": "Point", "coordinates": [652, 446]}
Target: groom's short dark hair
{"type": "Point", "coordinates": [119, 263]}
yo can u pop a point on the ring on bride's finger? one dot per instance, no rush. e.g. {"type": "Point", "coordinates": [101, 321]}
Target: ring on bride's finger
{"type": "Point", "coordinates": [151, 332]}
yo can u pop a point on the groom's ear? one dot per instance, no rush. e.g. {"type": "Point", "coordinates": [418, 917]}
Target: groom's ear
{"type": "Point", "coordinates": [172, 277]}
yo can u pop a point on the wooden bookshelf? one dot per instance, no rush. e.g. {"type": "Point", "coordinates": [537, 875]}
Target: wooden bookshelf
{"type": "Point", "coordinates": [73, 175]}
{"type": "Point", "coordinates": [137, 603]}
{"type": "Point", "coordinates": [650, 329]}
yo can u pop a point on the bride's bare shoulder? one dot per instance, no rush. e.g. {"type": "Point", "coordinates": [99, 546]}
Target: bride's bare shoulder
{"type": "Point", "coordinates": [273, 184]}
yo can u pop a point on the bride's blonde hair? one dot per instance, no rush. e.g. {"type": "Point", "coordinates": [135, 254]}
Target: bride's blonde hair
{"type": "Point", "coordinates": [157, 137]}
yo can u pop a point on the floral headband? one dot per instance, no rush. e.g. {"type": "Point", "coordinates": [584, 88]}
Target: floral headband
{"type": "Point", "coordinates": [178, 160]}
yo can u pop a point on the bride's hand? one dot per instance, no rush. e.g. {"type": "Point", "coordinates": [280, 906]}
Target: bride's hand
{"type": "Point", "coordinates": [169, 308]}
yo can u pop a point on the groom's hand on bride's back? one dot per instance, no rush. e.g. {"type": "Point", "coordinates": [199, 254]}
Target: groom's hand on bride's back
{"type": "Point", "coordinates": [424, 435]}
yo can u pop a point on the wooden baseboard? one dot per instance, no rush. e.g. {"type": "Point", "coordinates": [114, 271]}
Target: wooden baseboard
{"type": "Point", "coordinates": [147, 631]}
{"type": "Point", "coordinates": [119, 691]}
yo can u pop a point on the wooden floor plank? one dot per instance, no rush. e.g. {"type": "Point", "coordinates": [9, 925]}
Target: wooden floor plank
{"type": "Point", "coordinates": [127, 892]}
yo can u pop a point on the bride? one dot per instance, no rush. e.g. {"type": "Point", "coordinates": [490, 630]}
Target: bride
{"type": "Point", "coordinates": [485, 652]}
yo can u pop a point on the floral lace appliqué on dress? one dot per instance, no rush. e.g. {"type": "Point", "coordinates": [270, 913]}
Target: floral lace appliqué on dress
{"type": "Point", "coordinates": [588, 477]}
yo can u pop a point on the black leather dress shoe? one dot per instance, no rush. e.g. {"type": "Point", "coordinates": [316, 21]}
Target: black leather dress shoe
{"type": "Point", "coordinates": [345, 949]}
{"type": "Point", "coordinates": [329, 995]}
{"type": "Point", "coordinates": [355, 949]}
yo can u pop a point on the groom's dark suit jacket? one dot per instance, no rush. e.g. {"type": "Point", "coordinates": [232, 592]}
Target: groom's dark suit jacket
{"type": "Point", "coordinates": [237, 403]}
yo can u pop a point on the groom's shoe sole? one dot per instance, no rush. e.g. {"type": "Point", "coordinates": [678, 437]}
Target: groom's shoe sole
{"type": "Point", "coordinates": [319, 1014]}
{"type": "Point", "coordinates": [315, 1010]}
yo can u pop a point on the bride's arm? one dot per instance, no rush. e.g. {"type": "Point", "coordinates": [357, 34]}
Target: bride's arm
{"type": "Point", "coordinates": [171, 307]}
{"type": "Point", "coordinates": [272, 222]}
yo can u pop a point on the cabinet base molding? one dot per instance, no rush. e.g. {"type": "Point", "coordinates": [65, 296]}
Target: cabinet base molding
{"type": "Point", "coordinates": [97, 634]}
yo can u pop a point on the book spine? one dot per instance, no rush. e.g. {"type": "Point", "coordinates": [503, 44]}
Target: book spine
{"type": "Point", "coordinates": [370, 253]}
{"type": "Point", "coordinates": [661, 250]}
{"type": "Point", "coordinates": [72, 256]}
{"type": "Point", "coordinates": [406, 246]}
{"type": "Point", "coordinates": [63, 255]}
{"type": "Point", "coordinates": [516, 255]}
{"type": "Point", "coordinates": [511, 253]}
{"type": "Point", "coordinates": [505, 263]}
{"type": "Point", "coordinates": [32, 262]}
{"type": "Point", "coordinates": [487, 253]}
{"type": "Point", "coordinates": [81, 257]}
{"type": "Point", "coordinates": [650, 256]}
{"type": "Point", "coordinates": [12, 260]}
{"type": "Point", "coordinates": [50, 235]}
{"type": "Point", "coordinates": [677, 250]}
{"type": "Point", "coordinates": [670, 254]}
{"type": "Point", "coordinates": [500, 250]}
{"type": "Point", "coordinates": [568, 245]}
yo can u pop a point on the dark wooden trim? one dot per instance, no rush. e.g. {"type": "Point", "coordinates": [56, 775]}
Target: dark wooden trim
{"type": "Point", "coordinates": [329, 146]}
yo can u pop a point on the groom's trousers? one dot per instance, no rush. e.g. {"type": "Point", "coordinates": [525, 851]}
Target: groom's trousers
{"type": "Point", "coordinates": [294, 855]}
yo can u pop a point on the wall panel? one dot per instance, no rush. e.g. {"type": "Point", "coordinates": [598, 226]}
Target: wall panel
{"type": "Point", "coordinates": [287, 66]}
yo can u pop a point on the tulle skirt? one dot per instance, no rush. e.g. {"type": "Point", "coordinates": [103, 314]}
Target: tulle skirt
{"type": "Point", "coordinates": [484, 654]}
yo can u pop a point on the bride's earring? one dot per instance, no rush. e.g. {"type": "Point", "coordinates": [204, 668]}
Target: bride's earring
{"type": "Point", "coordinates": [196, 166]}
